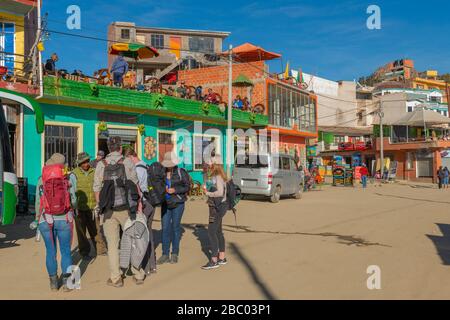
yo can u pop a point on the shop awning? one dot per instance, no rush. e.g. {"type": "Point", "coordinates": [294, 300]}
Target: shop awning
{"type": "Point", "coordinates": [422, 117]}
{"type": "Point", "coordinates": [27, 102]}
{"type": "Point", "coordinates": [250, 53]}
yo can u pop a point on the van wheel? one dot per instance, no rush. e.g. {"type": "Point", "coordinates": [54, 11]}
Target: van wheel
{"type": "Point", "coordinates": [299, 193]}
{"type": "Point", "coordinates": [275, 198]}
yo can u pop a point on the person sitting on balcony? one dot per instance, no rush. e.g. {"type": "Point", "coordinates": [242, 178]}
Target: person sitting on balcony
{"type": "Point", "coordinates": [50, 65]}
{"type": "Point", "coordinates": [119, 69]}
{"type": "Point", "coordinates": [237, 103]}
{"type": "Point", "coordinates": [182, 90]}
{"type": "Point", "coordinates": [246, 104]}
{"type": "Point", "coordinates": [212, 97]}
{"type": "Point", "coordinates": [199, 93]}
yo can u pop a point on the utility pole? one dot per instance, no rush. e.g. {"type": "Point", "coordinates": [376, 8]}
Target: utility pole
{"type": "Point", "coordinates": [230, 114]}
{"type": "Point", "coordinates": [381, 115]}
{"type": "Point", "coordinates": [447, 91]}
{"type": "Point", "coordinates": [41, 82]}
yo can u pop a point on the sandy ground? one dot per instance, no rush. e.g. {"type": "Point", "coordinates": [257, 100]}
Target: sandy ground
{"type": "Point", "coordinates": [316, 248]}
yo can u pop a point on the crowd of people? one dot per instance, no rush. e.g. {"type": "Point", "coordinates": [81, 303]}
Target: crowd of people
{"type": "Point", "coordinates": [111, 201]}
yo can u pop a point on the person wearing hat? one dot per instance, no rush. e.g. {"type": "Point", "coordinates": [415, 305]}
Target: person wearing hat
{"type": "Point", "coordinates": [100, 157]}
{"type": "Point", "coordinates": [85, 219]}
{"type": "Point", "coordinates": [56, 228]}
{"type": "Point", "coordinates": [182, 90]}
{"type": "Point", "coordinates": [114, 220]}
{"type": "Point", "coordinates": [177, 187]}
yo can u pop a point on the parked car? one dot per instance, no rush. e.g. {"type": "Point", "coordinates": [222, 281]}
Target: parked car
{"type": "Point", "coordinates": [271, 176]}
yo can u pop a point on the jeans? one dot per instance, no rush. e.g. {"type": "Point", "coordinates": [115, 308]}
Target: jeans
{"type": "Point", "coordinates": [215, 233]}
{"type": "Point", "coordinates": [364, 181]}
{"type": "Point", "coordinates": [117, 79]}
{"type": "Point", "coordinates": [62, 230]}
{"type": "Point", "coordinates": [171, 224]}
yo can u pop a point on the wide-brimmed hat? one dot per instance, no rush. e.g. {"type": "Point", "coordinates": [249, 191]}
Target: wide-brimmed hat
{"type": "Point", "coordinates": [170, 160]}
{"type": "Point", "coordinates": [56, 158]}
{"type": "Point", "coordinates": [82, 157]}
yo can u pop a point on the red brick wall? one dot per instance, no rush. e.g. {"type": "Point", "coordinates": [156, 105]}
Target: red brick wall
{"type": "Point", "coordinates": [216, 78]}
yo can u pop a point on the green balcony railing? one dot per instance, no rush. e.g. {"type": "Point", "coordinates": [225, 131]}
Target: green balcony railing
{"type": "Point", "coordinates": [92, 94]}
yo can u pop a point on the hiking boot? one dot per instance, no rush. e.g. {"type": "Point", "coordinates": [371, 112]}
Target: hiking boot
{"type": "Point", "coordinates": [211, 265]}
{"type": "Point", "coordinates": [222, 262]}
{"type": "Point", "coordinates": [54, 283]}
{"type": "Point", "coordinates": [138, 282]}
{"type": "Point", "coordinates": [174, 259]}
{"type": "Point", "coordinates": [164, 259]}
{"type": "Point", "coordinates": [64, 283]}
{"type": "Point", "coordinates": [117, 284]}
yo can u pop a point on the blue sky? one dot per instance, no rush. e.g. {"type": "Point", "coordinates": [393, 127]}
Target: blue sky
{"type": "Point", "coordinates": [324, 37]}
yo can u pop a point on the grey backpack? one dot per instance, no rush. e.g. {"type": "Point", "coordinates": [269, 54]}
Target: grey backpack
{"type": "Point", "coordinates": [116, 173]}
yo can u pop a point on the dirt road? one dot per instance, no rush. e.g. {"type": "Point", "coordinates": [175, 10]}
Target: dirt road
{"type": "Point", "coordinates": [316, 248]}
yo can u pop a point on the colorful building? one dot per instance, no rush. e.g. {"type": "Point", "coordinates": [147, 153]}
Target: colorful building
{"type": "Point", "coordinates": [291, 111]}
{"type": "Point", "coordinates": [81, 116]}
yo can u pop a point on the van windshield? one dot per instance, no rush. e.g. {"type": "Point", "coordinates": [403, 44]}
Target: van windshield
{"type": "Point", "coordinates": [252, 161]}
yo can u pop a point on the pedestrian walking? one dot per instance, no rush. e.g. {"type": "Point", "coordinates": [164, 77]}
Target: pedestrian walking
{"type": "Point", "coordinates": [446, 177]}
{"type": "Point", "coordinates": [441, 177]}
{"type": "Point", "coordinates": [85, 220]}
{"type": "Point", "coordinates": [148, 209]}
{"type": "Point", "coordinates": [218, 206]}
{"type": "Point", "coordinates": [364, 174]}
{"type": "Point", "coordinates": [117, 196]}
{"type": "Point", "coordinates": [177, 188]}
{"type": "Point", "coordinates": [55, 200]}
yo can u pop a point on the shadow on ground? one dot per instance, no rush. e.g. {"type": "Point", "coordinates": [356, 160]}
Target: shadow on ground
{"type": "Point", "coordinates": [442, 243]}
{"type": "Point", "coordinates": [18, 231]}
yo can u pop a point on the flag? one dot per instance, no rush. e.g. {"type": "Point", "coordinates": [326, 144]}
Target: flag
{"type": "Point", "coordinates": [300, 76]}
{"type": "Point", "coordinates": [286, 73]}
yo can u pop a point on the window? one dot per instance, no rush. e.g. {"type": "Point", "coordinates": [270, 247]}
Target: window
{"type": "Point", "coordinates": [435, 99]}
{"type": "Point", "coordinates": [285, 164]}
{"type": "Point", "coordinates": [410, 109]}
{"type": "Point", "coordinates": [125, 34]}
{"type": "Point", "coordinates": [203, 148]}
{"type": "Point", "coordinates": [157, 41]}
{"type": "Point", "coordinates": [7, 45]}
{"type": "Point", "coordinates": [200, 44]}
{"type": "Point", "coordinates": [61, 139]}
{"type": "Point", "coordinates": [117, 117]}
{"type": "Point", "coordinates": [164, 123]}
{"type": "Point", "coordinates": [289, 107]}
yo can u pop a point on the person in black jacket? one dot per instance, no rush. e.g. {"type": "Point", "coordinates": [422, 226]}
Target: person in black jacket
{"type": "Point", "coordinates": [177, 187]}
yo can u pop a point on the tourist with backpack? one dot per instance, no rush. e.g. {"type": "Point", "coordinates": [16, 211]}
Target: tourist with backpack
{"type": "Point", "coordinates": [117, 196]}
{"type": "Point", "coordinates": [55, 200]}
{"type": "Point", "coordinates": [218, 207]}
{"type": "Point", "coordinates": [177, 187]}
{"type": "Point", "coordinates": [85, 220]}
{"type": "Point", "coordinates": [142, 170]}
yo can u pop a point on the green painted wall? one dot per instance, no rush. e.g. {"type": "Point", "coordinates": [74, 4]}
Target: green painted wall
{"type": "Point", "coordinates": [89, 119]}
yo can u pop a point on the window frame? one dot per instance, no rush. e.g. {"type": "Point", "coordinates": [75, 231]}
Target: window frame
{"type": "Point", "coordinates": [218, 142]}
{"type": "Point", "coordinates": [80, 136]}
{"type": "Point", "coordinates": [157, 38]}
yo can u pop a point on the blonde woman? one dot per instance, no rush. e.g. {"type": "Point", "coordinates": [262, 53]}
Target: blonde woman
{"type": "Point", "coordinates": [216, 193]}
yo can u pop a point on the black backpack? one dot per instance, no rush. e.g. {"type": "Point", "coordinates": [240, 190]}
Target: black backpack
{"type": "Point", "coordinates": [156, 181]}
{"type": "Point", "coordinates": [233, 195]}
{"type": "Point", "coordinates": [115, 173]}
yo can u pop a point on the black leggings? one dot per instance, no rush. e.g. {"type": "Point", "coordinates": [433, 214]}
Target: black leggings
{"type": "Point", "coordinates": [215, 233]}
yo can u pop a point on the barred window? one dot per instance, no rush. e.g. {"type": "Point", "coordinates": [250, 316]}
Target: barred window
{"type": "Point", "coordinates": [61, 139]}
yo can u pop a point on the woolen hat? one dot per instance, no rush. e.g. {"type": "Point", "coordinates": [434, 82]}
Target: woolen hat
{"type": "Point", "coordinates": [56, 158]}
{"type": "Point", "coordinates": [82, 157]}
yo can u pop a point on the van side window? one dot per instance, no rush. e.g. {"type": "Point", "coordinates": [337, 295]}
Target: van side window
{"type": "Point", "coordinates": [285, 164]}
{"type": "Point", "coordinates": [293, 165]}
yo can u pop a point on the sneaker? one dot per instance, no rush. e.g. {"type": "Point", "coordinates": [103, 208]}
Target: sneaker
{"type": "Point", "coordinates": [65, 287]}
{"type": "Point", "coordinates": [211, 265]}
{"type": "Point", "coordinates": [174, 259]}
{"type": "Point", "coordinates": [164, 259]}
{"type": "Point", "coordinates": [117, 284]}
{"type": "Point", "coordinates": [222, 262]}
{"type": "Point", "coordinates": [138, 282]}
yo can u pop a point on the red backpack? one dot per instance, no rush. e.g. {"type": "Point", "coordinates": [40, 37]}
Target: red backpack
{"type": "Point", "coordinates": [55, 199]}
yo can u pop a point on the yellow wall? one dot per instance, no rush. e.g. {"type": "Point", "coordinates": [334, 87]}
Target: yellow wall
{"type": "Point", "coordinates": [428, 84]}
{"type": "Point", "coordinates": [19, 44]}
